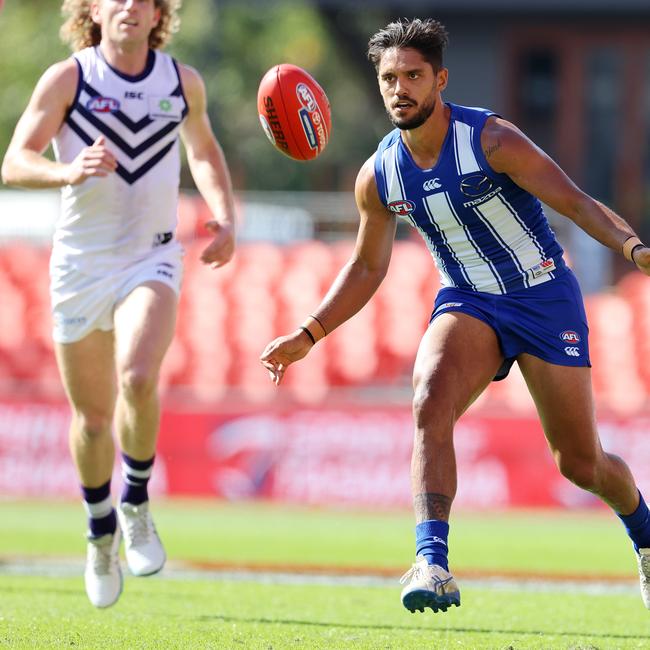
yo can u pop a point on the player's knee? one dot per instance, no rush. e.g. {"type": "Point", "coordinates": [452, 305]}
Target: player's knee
{"type": "Point", "coordinates": [138, 384]}
{"type": "Point", "coordinates": [92, 424]}
{"type": "Point", "coordinates": [431, 416]}
{"type": "Point", "coordinates": [581, 471]}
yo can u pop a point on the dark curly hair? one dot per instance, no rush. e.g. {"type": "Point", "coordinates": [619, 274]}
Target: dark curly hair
{"type": "Point", "coordinates": [429, 37]}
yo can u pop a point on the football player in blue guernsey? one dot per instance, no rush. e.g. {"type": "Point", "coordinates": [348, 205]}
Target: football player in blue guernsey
{"type": "Point", "coordinates": [472, 183]}
{"type": "Point", "coordinates": [114, 112]}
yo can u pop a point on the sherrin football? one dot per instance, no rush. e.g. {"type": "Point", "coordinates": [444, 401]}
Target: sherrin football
{"type": "Point", "coordinates": [294, 112]}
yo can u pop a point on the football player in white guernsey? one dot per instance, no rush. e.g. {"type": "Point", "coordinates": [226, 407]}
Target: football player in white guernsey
{"type": "Point", "coordinates": [115, 111]}
{"type": "Point", "coordinates": [471, 183]}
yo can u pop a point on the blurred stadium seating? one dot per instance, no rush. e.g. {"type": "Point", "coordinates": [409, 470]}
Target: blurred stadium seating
{"type": "Point", "coordinates": [227, 316]}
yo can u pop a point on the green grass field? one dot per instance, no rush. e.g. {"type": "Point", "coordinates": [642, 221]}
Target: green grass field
{"type": "Point", "coordinates": [181, 609]}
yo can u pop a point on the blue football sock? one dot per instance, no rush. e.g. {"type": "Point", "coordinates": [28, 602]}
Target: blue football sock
{"type": "Point", "coordinates": [431, 541]}
{"type": "Point", "coordinates": [136, 475]}
{"type": "Point", "coordinates": [101, 514]}
{"type": "Point", "coordinates": [638, 525]}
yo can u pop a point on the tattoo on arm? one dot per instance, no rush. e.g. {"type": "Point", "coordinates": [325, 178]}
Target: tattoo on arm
{"type": "Point", "coordinates": [495, 146]}
{"type": "Point", "coordinates": [431, 505]}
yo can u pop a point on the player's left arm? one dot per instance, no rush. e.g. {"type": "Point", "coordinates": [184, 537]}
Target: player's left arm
{"type": "Point", "coordinates": [209, 170]}
{"type": "Point", "coordinates": [510, 152]}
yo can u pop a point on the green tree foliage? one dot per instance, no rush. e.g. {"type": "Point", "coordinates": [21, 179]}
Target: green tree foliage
{"type": "Point", "coordinates": [233, 50]}
{"type": "Point", "coordinates": [232, 44]}
{"type": "Point", "coordinates": [29, 43]}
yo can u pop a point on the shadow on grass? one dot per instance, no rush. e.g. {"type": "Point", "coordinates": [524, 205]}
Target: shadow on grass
{"type": "Point", "coordinates": [409, 628]}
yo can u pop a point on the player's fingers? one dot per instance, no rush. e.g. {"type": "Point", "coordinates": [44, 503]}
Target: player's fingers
{"type": "Point", "coordinates": [100, 158]}
{"type": "Point", "coordinates": [97, 167]}
{"type": "Point", "coordinates": [267, 354]}
{"type": "Point", "coordinates": [100, 173]}
{"type": "Point", "coordinates": [279, 374]}
{"type": "Point", "coordinates": [100, 140]}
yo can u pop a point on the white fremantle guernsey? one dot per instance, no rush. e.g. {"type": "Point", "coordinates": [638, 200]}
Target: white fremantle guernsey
{"type": "Point", "coordinates": [116, 220]}
{"type": "Point", "coordinates": [484, 232]}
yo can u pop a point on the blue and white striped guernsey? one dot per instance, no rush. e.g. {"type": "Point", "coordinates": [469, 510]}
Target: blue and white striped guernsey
{"type": "Point", "coordinates": [117, 219]}
{"type": "Point", "coordinates": [485, 233]}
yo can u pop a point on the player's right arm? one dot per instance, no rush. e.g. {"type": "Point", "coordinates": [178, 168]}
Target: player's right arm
{"type": "Point", "coordinates": [355, 284]}
{"type": "Point", "coordinates": [24, 164]}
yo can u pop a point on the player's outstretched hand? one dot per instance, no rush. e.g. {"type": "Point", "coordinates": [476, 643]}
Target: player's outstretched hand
{"type": "Point", "coordinates": [642, 259]}
{"type": "Point", "coordinates": [222, 247]}
{"type": "Point", "coordinates": [95, 160]}
{"type": "Point", "coordinates": [281, 352]}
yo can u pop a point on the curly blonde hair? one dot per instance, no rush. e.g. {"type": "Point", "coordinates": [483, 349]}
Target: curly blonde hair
{"type": "Point", "coordinates": [79, 30]}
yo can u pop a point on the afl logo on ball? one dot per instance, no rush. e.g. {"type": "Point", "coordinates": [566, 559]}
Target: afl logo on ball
{"type": "Point", "coordinates": [569, 336]}
{"type": "Point", "coordinates": [401, 208]}
{"type": "Point", "coordinates": [306, 98]}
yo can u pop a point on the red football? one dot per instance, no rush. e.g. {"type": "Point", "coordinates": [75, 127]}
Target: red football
{"type": "Point", "coordinates": [294, 111]}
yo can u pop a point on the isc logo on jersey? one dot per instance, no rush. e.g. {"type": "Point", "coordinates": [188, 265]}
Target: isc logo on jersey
{"type": "Point", "coordinates": [103, 105]}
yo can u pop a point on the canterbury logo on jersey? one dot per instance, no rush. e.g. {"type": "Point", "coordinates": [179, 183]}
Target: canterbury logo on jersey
{"type": "Point", "coordinates": [432, 184]}
{"type": "Point", "coordinates": [572, 351]}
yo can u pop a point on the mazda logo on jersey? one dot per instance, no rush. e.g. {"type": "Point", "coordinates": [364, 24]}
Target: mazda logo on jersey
{"type": "Point", "coordinates": [401, 208]}
{"type": "Point", "coordinates": [475, 185]}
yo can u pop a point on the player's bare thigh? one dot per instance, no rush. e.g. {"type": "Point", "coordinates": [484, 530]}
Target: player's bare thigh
{"type": "Point", "coordinates": [457, 358]}
{"type": "Point", "coordinates": [87, 371]}
{"type": "Point", "coordinates": [144, 322]}
{"type": "Point", "coordinates": [564, 400]}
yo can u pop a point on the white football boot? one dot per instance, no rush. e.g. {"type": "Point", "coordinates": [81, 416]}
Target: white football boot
{"type": "Point", "coordinates": [103, 575]}
{"type": "Point", "coordinates": [145, 554]}
{"type": "Point", "coordinates": [643, 560]}
{"type": "Point", "coordinates": [430, 586]}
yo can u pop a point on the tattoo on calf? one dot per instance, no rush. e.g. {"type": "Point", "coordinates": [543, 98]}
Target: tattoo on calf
{"type": "Point", "coordinates": [492, 148]}
{"type": "Point", "coordinates": [431, 505]}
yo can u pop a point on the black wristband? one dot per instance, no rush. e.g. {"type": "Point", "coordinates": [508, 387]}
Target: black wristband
{"type": "Point", "coordinates": [309, 334]}
{"type": "Point", "coordinates": [632, 252]}
{"type": "Point", "coordinates": [319, 322]}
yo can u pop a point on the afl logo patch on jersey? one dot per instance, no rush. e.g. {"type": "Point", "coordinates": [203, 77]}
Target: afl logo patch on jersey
{"type": "Point", "coordinates": [103, 105]}
{"type": "Point", "coordinates": [401, 208]}
{"type": "Point", "coordinates": [569, 336]}
{"type": "Point", "coordinates": [475, 185]}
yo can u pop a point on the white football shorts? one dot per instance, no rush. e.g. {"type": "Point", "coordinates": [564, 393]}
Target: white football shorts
{"type": "Point", "coordinates": [82, 302]}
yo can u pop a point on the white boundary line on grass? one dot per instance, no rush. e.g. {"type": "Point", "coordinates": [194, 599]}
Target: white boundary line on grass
{"type": "Point", "coordinates": [67, 568]}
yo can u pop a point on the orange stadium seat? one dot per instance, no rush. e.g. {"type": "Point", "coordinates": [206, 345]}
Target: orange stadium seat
{"type": "Point", "coordinates": [612, 345]}
{"type": "Point", "coordinates": [635, 289]}
{"type": "Point", "coordinates": [227, 316]}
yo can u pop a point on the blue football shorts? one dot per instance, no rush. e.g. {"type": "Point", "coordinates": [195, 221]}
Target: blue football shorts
{"type": "Point", "coordinates": [547, 320]}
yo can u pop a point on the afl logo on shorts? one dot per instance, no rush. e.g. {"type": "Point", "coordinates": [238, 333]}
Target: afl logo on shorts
{"type": "Point", "coordinates": [401, 208]}
{"type": "Point", "coordinates": [103, 105]}
{"type": "Point", "coordinates": [569, 336]}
